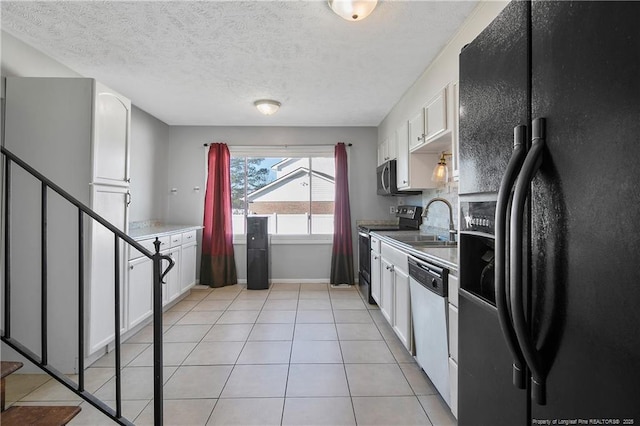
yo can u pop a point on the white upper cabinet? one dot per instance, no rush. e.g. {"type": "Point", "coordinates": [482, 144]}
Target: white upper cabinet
{"type": "Point", "coordinates": [431, 128]}
{"type": "Point", "coordinates": [402, 166]}
{"type": "Point", "coordinates": [387, 150]}
{"type": "Point", "coordinates": [435, 116]}
{"type": "Point", "coordinates": [416, 129]}
{"type": "Point", "coordinates": [455, 112]}
{"type": "Point", "coordinates": [413, 170]}
{"type": "Point", "coordinates": [111, 134]}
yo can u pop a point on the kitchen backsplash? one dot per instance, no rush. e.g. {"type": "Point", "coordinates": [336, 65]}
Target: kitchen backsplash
{"type": "Point", "coordinates": [437, 221]}
{"type": "Point", "coordinates": [144, 224]}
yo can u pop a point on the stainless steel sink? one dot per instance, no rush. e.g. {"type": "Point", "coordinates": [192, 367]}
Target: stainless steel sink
{"type": "Point", "coordinates": [416, 238]}
{"type": "Point", "coordinates": [423, 240]}
{"type": "Point", "coordinates": [434, 243]}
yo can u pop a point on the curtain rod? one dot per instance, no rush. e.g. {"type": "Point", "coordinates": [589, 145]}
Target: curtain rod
{"type": "Point", "coordinates": [287, 146]}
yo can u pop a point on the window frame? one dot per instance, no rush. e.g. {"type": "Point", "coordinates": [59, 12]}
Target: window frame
{"type": "Point", "coordinates": [284, 151]}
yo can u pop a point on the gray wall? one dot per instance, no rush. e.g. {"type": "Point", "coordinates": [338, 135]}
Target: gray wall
{"type": "Point", "coordinates": [149, 136]}
{"type": "Point", "coordinates": [149, 173]}
{"type": "Point", "coordinates": [291, 261]}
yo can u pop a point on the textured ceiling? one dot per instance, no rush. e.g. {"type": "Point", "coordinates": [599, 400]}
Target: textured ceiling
{"type": "Point", "coordinates": [204, 63]}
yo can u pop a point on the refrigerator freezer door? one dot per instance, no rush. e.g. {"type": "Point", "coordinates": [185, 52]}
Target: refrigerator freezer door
{"type": "Point", "coordinates": [494, 98]}
{"type": "Point", "coordinates": [585, 211]}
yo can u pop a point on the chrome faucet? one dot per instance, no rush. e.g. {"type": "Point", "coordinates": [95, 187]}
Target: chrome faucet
{"type": "Point", "coordinates": [425, 213]}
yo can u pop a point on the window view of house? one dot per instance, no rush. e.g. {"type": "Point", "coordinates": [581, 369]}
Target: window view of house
{"type": "Point", "coordinates": [296, 194]}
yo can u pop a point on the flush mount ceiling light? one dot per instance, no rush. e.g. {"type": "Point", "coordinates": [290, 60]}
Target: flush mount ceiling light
{"type": "Point", "coordinates": [441, 171]}
{"type": "Point", "coordinates": [353, 10]}
{"type": "Point", "coordinates": [267, 106]}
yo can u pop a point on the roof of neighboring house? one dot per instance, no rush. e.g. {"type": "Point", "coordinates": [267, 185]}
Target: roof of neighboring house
{"type": "Point", "coordinates": [283, 180]}
{"type": "Point", "coordinates": [284, 162]}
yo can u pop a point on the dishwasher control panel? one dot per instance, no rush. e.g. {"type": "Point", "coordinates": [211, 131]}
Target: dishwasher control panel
{"type": "Point", "coordinates": [430, 276]}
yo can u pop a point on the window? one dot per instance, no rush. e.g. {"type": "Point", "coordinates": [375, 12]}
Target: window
{"type": "Point", "coordinates": [295, 192]}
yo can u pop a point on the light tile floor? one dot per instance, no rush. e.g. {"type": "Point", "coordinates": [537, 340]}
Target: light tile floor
{"type": "Point", "coordinates": [296, 354]}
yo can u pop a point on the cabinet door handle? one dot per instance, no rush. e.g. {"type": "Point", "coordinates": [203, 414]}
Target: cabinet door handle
{"type": "Point", "coordinates": [128, 195]}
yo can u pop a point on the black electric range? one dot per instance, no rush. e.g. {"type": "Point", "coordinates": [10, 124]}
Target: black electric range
{"type": "Point", "coordinates": [409, 218]}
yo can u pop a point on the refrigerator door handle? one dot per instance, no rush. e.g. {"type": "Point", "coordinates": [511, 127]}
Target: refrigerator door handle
{"type": "Point", "coordinates": [529, 168]}
{"type": "Point", "coordinates": [501, 267]}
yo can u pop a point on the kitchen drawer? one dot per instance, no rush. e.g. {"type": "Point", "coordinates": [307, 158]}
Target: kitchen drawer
{"type": "Point", "coordinates": [453, 384]}
{"type": "Point", "coordinates": [398, 258]}
{"type": "Point", "coordinates": [375, 244]}
{"type": "Point", "coordinates": [165, 243]}
{"type": "Point", "coordinates": [175, 240]}
{"type": "Point", "coordinates": [453, 290]}
{"type": "Point", "coordinates": [453, 332]}
{"type": "Point", "coordinates": [189, 237]}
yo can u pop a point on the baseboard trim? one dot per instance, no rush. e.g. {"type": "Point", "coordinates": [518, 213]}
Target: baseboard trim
{"type": "Point", "coordinates": [294, 280]}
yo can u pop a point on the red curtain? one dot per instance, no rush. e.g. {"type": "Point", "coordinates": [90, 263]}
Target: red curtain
{"type": "Point", "coordinates": [218, 266]}
{"type": "Point", "coordinates": [342, 253]}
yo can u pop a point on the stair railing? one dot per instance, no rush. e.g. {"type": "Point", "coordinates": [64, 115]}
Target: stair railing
{"type": "Point", "coordinates": [41, 360]}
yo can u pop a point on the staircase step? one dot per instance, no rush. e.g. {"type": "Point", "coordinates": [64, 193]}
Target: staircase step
{"type": "Point", "coordinates": [8, 367]}
{"type": "Point", "coordinates": [38, 415]}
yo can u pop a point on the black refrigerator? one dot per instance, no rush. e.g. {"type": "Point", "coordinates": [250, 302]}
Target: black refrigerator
{"type": "Point", "coordinates": [549, 315]}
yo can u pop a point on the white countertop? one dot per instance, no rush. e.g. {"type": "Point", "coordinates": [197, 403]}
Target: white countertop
{"type": "Point", "coordinates": [160, 230]}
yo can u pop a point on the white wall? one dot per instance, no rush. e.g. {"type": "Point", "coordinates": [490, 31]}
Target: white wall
{"type": "Point", "coordinates": [444, 69]}
{"type": "Point", "coordinates": [289, 262]}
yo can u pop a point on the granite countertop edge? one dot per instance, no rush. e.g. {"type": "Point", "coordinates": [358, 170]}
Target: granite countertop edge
{"type": "Point", "coordinates": [444, 256]}
{"type": "Point", "coordinates": [160, 230]}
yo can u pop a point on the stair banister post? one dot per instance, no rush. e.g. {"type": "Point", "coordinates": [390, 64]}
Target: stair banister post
{"type": "Point", "coordinates": [157, 336]}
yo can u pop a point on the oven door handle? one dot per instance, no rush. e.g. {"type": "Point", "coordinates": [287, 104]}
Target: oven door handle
{"type": "Point", "coordinates": [501, 267]}
{"type": "Point", "coordinates": [529, 168]}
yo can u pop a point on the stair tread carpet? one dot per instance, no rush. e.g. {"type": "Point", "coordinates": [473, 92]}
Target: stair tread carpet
{"type": "Point", "coordinates": [8, 367]}
{"type": "Point", "coordinates": [38, 415]}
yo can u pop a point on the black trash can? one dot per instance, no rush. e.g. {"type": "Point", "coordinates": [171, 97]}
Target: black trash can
{"type": "Point", "coordinates": [257, 253]}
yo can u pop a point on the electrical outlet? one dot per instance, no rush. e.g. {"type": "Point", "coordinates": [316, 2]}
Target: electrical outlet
{"type": "Point", "coordinates": [393, 210]}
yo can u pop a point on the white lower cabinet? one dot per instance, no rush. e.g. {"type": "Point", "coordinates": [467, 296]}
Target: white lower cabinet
{"type": "Point", "coordinates": [183, 249]}
{"type": "Point", "coordinates": [402, 308]}
{"type": "Point", "coordinates": [453, 377]}
{"type": "Point", "coordinates": [396, 304]}
{"type": "Point", "coordinates": [171, 287]}
{"type": "Point", "coordinates": [140, 296]}
{"type": "Point", "coordinates": [375, 276]}
{"type": "Point", "coordinates": [110, 203]}
{"type": "Point", "coordinates": [188, 266]}
{"type": "Point", "coordinates": [386, 290]}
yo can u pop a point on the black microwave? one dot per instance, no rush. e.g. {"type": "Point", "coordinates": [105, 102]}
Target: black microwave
{"type": "Point", "coordinates": [386, 178]}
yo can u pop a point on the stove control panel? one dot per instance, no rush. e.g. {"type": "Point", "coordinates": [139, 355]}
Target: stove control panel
{"type": "Point", "coordinates": [409, 212]}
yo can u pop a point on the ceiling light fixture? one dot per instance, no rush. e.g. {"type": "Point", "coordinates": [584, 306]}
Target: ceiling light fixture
{"type": "Point", "coordinates": [353, 10]}
{"type": "Point", "coordinates": [441, 171]}
{"type": "Point", "coordinates": [267, 106]}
